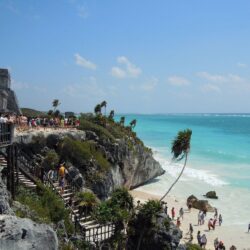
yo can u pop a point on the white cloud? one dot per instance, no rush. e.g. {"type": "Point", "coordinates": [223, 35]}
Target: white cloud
{"type": "Point", "coordinates": [127, 68]}
{"type": "Point", "coordinates": [178, 81]}
{"type": "Point", "coordinates": [220, 78]}
{"type": "Point", "coordinates": [118, 72]}
{"type": "Point", "coordinates": [79, 60]}
{"type": "Point", "coordinates": [210, 88]}
{"type": "Point", "coordinates": [150, 85]}
{"type": "Point", "coordinates": [241, 65]}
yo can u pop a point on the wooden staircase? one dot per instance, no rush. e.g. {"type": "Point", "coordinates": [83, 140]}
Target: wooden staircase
{"type": "Point", "coordinates": [93, 231]}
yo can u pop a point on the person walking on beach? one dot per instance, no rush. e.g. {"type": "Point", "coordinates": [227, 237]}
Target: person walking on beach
{"type": "Point", "coordinates": [215, 213]}
{"type": "Point", "coordinates": [248, 227]}
{"type": "Point", "coordinates": [181, 213]}
{"type": "Point", "coordinates": [214, 223]}
{"type": "Point", "coordinates": [166, 208]}
{"type": "Point", "coordinates": [220, 219]}
{"type": "Point", "coordinates": [202, 218]}
{"type": "Point", "coordinates": [173, 213]}
{"type": "Point", "coordinates": [203, 241]}
{"type": "Point", "coordinates": [216, 243]}
{"type": "Point", "coordinates": [199, 217]}
{"type": "Point", "coordinates": [210, 224]}
{"type": "Point", "coordinates": [191, 230]}
{"type": "Point", "coordinates": [178, 222]}
{"type": "Point", "coordinates": [199, 238]}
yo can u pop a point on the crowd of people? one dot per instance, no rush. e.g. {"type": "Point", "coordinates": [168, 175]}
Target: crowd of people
{"type": "Point", "coordinates": [201, 238]}
{"type": "Point", "coordinates": [24, 122]}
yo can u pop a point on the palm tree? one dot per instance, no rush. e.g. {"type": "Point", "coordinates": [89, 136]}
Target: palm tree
{"type": "Point", "coordinates": [55, 104]}
{"type": "Point", "coordinates": [133, 123]}
{"type": "Point", "coordinates": [180, 149]}
{"type": "Point", "coordinates": [98, 109]}
{"type": "Point", "coordinates": [122, 120]}
{"type": "Point", "coordinates": [111, 114]}
{"type": "Point", "coordinates": [104, 104]}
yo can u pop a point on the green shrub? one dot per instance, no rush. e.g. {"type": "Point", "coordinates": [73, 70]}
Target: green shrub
{"type": "Point", "coordinates": [47, 206]}
{"type": "Point", "coordinates": [191, 246]}
{"type": "Point", "coordinates": [51, 160]}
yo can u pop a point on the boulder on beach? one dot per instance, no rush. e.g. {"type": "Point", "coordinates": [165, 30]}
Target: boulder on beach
{"type": "Point", "coordinates": [202, 205]}
{"type": "Point", "coordinates": [211, 195]}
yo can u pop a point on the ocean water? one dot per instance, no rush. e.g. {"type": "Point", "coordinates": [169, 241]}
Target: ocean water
{"type": "Point", "coordinates": [219, 158]}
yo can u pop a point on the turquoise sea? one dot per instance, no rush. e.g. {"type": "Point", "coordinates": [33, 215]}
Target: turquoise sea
{"type": "Point", "coordinates": [219, 157]}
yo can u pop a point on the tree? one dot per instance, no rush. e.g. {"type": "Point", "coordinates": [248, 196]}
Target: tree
{"type": "Point", "coordinates": [98, 109]}
{"type": "Point", "coordinates": [104, 104]}
{"type": "Point", "coordinates": [133, 123]}
{"type": "Point", "coordinates": [180, 150]}
{"type": "Point", "coordinates": [111, 114]}
{"type": "Point", "coordinates": [50, 112]}
{"type": "Point", "coordinates": [122, 120]}
{"type": "Point", "coordinates": [57, 113]}
{"type": "Point", "coordinates": [55, 104]}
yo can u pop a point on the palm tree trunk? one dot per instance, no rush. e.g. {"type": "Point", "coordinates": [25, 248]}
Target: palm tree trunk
{"type": "Point", "coordinates": [176, 179]}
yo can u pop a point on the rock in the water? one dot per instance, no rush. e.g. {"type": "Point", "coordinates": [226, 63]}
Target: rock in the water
{"type": "Point", "coordinates": [24, 234]}
{"type": "Point", "coordinates": [211, 195]}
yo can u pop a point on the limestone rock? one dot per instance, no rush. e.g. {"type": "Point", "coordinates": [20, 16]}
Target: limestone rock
{"type": "Point", "coordinates": [24, 234]}
{"type": "Point", "coordinates": [202, 205]}
{"type": "Point", "coordinates": [211, 195]}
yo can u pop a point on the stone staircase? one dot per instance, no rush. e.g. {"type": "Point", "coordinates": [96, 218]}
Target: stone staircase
{"type": "Point", "coordinates": [3, 161]}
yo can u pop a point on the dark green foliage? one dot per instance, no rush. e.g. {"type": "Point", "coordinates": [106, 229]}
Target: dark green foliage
{"type": "Point", "coordinates": [191, 246]}
{"type": "Point", "coordinates": [181, 144]}
{"type": "Point", "coordinates": [117, 209]}
{"type": "Point", "coordinates": [51, 160]}
{"type": "Point", "coordinates": [78, 152]}
{"type": "Point", "coordinates": [47, 205]}
{"type": "Point", "coordinates": [99, 130]}
{"type": "Point", "coordinates": [32, 113]}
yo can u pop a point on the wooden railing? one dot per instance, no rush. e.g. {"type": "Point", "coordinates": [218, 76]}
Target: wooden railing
{"type": "Point", "coordinates": [6, 130]}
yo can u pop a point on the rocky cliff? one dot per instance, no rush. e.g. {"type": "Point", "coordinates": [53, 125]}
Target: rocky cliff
{"type": "Point", "coordinates": [125, 164]}
{"type": "Point", "coordinates": [19, 233]}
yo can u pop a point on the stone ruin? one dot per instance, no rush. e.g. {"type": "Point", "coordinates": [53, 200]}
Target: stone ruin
{"type": "Point", "coordinates": [8, 100]}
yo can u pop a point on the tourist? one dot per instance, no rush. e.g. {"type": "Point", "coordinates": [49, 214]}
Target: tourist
{"type": "Point", "coordinates": [248, 227]}
{"type": "Point", "coordinates": [189, 206]}
{"type": "Point", "coordinates": [233, 247]}
{"type": "Point", "coordinates": [220, 246]}
{"type": "Point", "coordinates": [191, 230]}
{"type": "Point", "coordinates": [203, 241]}
{"type": "Point", "coordinates": [215, 213]}
{"type": "Point", "coordinates": [173, 213]}
{"type": "Point", "coordinates": [202, 218]}
{"type": "Point", "coordinates": [166, 208]}
{"type": "Point", "coordinates": [216, 242]}
{"type": "Point", "coordinates": [61, 171]}
{"type": "Point", "coordinates": [199, 238]}
{"type": "Point", "coordinates": [210, 224]}
{"type": "Point", "coordinates": [220, 219]}
{"type": "Point", "coordinates": [199, 217]}
{"type": "Point", "coordinates": [178, 222]}
{"type": "Point", "coordinates": [181, 213]}
{"type": "Point", "coordinates": [214, 223]}
{"type": "Point", "coordinates": [61, 184]}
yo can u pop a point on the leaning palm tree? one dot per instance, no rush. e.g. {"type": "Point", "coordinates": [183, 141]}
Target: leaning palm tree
{"type": "Point", "coordinates": [98, 109]}
{"type": "Point", "coordinates": [111, 114]}
{"type": "Point", "coordinates": [104, 104]}
{"type": "Point", "coordinates": [180, 150]}
{"type": "Point", "coordinates": [55, 104]}
{"type": "Point", "coordinates": [122, 120]}
{"type": "Point", "coordinates": [133, 123]}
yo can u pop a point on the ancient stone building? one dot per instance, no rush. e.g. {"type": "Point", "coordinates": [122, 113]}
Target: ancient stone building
{"type": "Point", "coordinates": [8, 100]}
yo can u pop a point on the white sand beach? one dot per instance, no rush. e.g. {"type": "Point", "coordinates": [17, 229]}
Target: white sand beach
{"type": "Point", "coordinates": [230, 235]}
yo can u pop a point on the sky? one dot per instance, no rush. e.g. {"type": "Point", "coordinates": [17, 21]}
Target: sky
{"type": "Point", "coordinates": [141, 56]}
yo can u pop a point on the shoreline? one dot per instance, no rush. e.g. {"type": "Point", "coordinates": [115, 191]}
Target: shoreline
{"type": "Point", "coordinates": [235, 235]}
